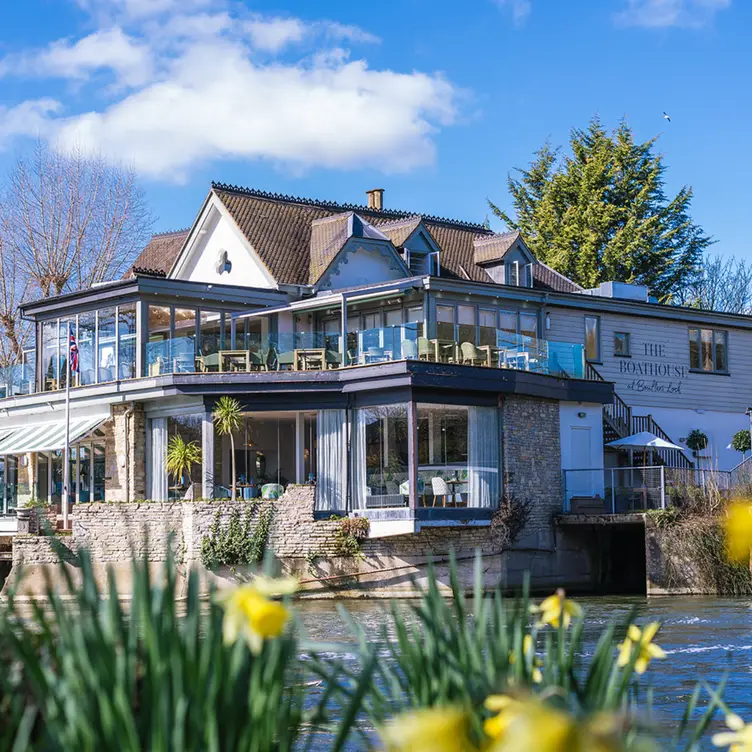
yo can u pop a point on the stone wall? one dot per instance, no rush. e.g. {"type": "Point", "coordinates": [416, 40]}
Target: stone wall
{"type": "Point", "coordinates": [532, 464]}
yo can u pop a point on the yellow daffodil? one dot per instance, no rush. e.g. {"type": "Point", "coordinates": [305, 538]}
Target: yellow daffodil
{"type": "Point", "coordinates": [556, 607]}
{"type": "Point", "coordinates": [250, 615]}
{"type": "Point", "coordinates": [739, 739]}
{"type": "Point", "coordinates": [428, 730]}
{"type": "Point", "coordinates": [739, 531]}
{"type": "Point", "coordinates": [505, 708]}
{"type": "Point", "coordinates": [528, 650]}
{"type": "Point", "coordinates": [525, 725]}
{"type": "Point", "coordinates": [640, 640]}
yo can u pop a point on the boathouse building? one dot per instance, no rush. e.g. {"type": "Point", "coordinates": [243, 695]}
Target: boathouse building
{"type": "Point", "coordinates": [411, 369]}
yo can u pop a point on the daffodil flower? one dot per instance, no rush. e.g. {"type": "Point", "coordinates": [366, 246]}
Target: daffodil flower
{"type": "Point", "coordinates": [738, 526]}
{"type": "Point", "coordinates": [555, 608]}
{"type": "Point", "coordinates": [441, 729]}
{"type": "Point", "coordinates": [640, 640]}
{"type": "Point", "coordinates": [739, 739]}
{"type": "Point", "coordinates": [528, 650]}
{"type": "Point", "coordinates": [251, 615]}
{"type": "Point", "coordinates": [505, 707]}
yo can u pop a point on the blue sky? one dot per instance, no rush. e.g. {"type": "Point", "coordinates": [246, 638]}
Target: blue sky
{"type": "Point", "coordinates": [434, 101]}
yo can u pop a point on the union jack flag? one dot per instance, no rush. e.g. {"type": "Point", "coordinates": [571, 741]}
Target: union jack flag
{"type": "Point", "coordinates": [73, 353]}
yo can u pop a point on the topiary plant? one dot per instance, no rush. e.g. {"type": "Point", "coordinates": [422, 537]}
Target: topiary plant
{"type": "Point", "coordinates": [741, 441]}
{"type": "Point", "coordinates": [696, 440]}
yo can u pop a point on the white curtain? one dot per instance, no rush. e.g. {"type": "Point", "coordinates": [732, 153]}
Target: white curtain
{"type": "Point", "coordinates": [360, 491]}
{"type": "Point", "coordinates": [158, 446]}
{"type": "Point", "coordinates": [331, 459]}
{"type": "Point", "coordinates": [483, 457]}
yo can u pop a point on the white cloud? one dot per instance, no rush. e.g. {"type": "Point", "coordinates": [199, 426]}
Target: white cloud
{"type": "Point", "coordinates": [136, 10]}
{"type": "Point", "coordinates": [107, 49]}
{"type": "Point", "coordinates": [30, 118]}
{"type": "Point", "coordinates": [273, 34]}
{"type": "Point", "coordinates": [520, 9]}
{"type": "Point", "coordinates": [655, 14]}
{"type": "Point", "coordinates": [210, 96]}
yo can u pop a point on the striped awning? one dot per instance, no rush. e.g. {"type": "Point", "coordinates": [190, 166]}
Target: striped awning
{"type": "Point", "coordinates": [46, 437]}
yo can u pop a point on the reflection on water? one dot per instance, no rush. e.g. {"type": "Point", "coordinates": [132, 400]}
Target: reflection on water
{"type": "Point", "coordinates": [704, 638]}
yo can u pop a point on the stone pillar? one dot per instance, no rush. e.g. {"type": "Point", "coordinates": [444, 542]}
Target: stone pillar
{"type": "Point", "coordinates": [125, 475]}
{"type": "Point", "coordinates": [207, 456]}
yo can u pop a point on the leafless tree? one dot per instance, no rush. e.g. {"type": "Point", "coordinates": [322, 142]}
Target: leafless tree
{"type": "Point", "coordinates": [14, 287]}
{"type": "Point", "coordinates": [73, 218]}
{"type": "Point", "coordinates": [722, 284]}
{"type": "Point", "coordinates": [70, 220]}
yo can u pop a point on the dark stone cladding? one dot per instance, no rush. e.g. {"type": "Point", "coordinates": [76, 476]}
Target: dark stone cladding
{"type": "Point", "coordinates": [384, 383]}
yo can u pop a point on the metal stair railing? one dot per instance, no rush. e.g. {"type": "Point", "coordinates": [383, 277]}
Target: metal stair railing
{"type": "Point", "coordinates": [618, 415]}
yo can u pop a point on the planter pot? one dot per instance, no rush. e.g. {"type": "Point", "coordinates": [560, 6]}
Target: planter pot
{"type": "Point", "coordinates": [23, 516]}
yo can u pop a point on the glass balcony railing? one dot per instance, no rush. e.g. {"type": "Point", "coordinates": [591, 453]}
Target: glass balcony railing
{"type": "Point", "coordinates": [16, 380]}
{"type": "Point", "coordinates": [317, 351]}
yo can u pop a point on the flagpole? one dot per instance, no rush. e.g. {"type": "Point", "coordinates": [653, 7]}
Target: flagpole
{"type": "Point", "coordinates": [66, 456]}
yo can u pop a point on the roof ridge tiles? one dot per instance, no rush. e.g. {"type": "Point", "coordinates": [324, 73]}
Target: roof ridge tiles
{"type": "Point", "coordinates": [393, 213]}
{"type": "Point", "coordinates": [167, 233]}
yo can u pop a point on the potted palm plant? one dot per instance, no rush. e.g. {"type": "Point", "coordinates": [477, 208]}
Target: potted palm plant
{"type": "Point", "coordinates": [181, 458]}
{"type": "Point", "coordinates": [228, 419]}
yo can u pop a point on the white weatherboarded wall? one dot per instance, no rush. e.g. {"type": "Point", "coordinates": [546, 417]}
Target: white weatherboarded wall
{"type": "Point", "coordinates": [656, 379]}
{"type": "Point", "coordinates": [216, 235]}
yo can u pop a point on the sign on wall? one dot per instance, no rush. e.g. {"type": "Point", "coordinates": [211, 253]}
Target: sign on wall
{"type": "Point", "coordinates": [654, 372]}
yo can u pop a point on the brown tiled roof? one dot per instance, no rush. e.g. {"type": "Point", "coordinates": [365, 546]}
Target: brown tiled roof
{"type": "Point", "coordinates": [279, 228]}
{"type": "Point", "coordinates": [328, 235]}
{"type": "Point", "coordinates": [296, 246]}
{"type": "Point", "coordinates": [159, 254]}
{"type": "Point", "coordinates": [399, 230]}
{"type": "Point", "coordinates": [493, 247]}
{"type": "Point", "coordinates": [545, 278]}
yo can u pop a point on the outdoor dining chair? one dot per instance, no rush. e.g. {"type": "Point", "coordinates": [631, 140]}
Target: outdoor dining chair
{"type": "Point", "coordinates": [471, 354]}
{"type": "Point", "coordinates": [440, 489]}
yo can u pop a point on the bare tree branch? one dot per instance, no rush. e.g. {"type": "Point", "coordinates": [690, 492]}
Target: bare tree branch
{"type": "Point", "coordinates": [67, 222]}
{"type": "Point", "coordinates": [722, 284]}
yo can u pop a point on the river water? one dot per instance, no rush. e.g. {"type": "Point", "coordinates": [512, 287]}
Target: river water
{"type": "Point", "coordinates": [704, 638]}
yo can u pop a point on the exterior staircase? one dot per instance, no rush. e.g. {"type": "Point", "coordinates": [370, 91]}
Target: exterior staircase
{"type": "Point", "coordinates": [619, 422]}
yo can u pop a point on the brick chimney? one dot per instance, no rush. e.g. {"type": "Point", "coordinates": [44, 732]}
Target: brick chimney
{"type": "Point", "coordinates": [375, 198]}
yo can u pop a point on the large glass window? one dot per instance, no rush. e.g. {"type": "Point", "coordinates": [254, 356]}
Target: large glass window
{"type": "Point", "coordinates": [188, 483]}
{"type": "Point", "coordinates": [98, 470]}
{"type": "Point", "coordinates": [379, 457]}
{"type": "Point", "coordinates": [87, 330]}
{"type": "Point", "coordinates": [210, 340]}
{"type": "Point", "coordinates": [529, 326]}
{"type": "Point", "coordinates": [458, 456]}
{"type": "Point", "coordinates": [593, 338]}
{"type": "Point", "coordinates": [106, 345]}
{"type": "Point", "coordinates": [487, 327]}
{"type": "Point", "coordinates": [158, 344]}
{"type": "Point", "coordinates": [708, 350]}
{"type": "Point", "coordinates": [466, 323]}
{"type": "Point", "coordinates": [622, 345]}
{"type": "Point", "coordinates": [508, 328]}
{"type": "Point", "coordinates": [50, 360]}
{"type": "Point", "coordinates": [415, 317]}
{"type": "Point", "coordinates": [445, 322]}
{"type": "Point", "coordinates": [67, 327]}
{"type": "Point", "coordinates": [127, 341]}
{"type": "Point", "coordinates": [183, 353]}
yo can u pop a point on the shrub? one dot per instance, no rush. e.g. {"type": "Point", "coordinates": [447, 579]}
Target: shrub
{"type": "Point", "coordinates": [350, 532]}
{"type": "Point", "coordinates": [696, 440]}
{"type": "Point", "coordinates": [241, 542]}
{"type": "Point", "coordinates": [741, 441]}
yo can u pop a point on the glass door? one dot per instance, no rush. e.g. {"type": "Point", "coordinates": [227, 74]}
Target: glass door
{"type": "Point", "coordinates": [11, 482]}
{"type": "Point", "coordinates": [3, 505]}
{"type": "Point", "coordinates": [98, 472]}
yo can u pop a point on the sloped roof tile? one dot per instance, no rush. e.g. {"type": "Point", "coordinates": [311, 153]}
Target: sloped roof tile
{"type": "Point", "coordinates": [159, 254]}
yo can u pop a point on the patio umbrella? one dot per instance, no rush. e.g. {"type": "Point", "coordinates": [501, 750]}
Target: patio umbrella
{"type": "Point", "coordinates": [643, 440]}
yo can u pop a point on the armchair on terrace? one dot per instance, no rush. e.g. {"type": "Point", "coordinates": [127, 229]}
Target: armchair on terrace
{"type": "Point", "coordinates": [425, 349]}
{"type": "Point", "coordinates": [471, 354]}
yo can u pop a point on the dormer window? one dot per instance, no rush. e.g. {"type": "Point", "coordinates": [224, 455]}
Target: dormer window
{"type": "Point", "coordinates": [505, 258]}
{"type": "Point", "coordinates": [514, 273]}
{"type": "Point", "coordinates": [434, 265]}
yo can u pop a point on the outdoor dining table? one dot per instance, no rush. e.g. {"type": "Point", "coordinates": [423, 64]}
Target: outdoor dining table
{"type": "Point", "coordinates": [490, 353]}
{"type": "Point", "coordinates": [234, 358]}
{"type": "Point", "coordinates": [445, 350]}
{"type": "Point", "coordinates": [309, 359]}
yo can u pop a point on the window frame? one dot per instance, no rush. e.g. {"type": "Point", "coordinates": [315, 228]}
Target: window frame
{"type": "Point", "coordinates": [628, 339]}
{"type": "Point", "coordinates": [698, 368]}
{"type": "Point", "coordinates": [598, 345]}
